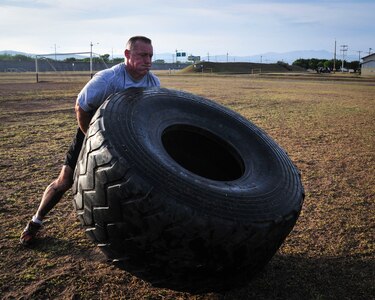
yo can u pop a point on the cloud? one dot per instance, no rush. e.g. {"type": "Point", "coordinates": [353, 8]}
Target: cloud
{"type": "Point", "coordinates": [239, 27]}
{"type": "Point", "coordinates": [25, 3]}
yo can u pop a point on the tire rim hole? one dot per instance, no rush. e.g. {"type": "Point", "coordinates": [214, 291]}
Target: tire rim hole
{"type": "Point", "coordinates": [202, 153]}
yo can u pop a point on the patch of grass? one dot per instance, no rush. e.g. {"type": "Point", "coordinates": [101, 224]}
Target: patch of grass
{"type": "Point", "coordinates": [327, 128]}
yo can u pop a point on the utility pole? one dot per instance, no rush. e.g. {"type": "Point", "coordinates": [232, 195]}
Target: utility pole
{"type": "Point", "coordinates": [359, 59]}
{"type": "Point", "coordinates": [334, 59]}
{"type": "Point", "coordinates": [344, 48]}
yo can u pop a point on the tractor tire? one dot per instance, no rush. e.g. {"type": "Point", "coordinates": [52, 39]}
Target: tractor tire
{"type": "Point", "coordinates": [183, 192]}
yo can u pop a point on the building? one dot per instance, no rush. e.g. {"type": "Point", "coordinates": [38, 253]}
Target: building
{"type": "Point", "coordinates": [368, 65]}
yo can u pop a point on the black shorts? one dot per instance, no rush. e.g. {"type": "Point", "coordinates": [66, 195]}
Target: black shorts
{"type": "Point", "coordinates": [74, 149]}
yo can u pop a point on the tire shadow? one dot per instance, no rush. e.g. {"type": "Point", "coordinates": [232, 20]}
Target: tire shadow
{"type": "Point", "coordinates": [292, 277]}
{"type": "Point", "coordinates": [285, 277]}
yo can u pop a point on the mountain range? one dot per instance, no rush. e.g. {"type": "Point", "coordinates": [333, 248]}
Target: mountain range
{"type": "Point", "coordinates": [273, 57]}
{"type": "Point", "coordinates": [269, 57]}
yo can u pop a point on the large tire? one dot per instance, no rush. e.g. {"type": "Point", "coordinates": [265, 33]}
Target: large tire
{"type": "Point", "coordinates": [183, 192]}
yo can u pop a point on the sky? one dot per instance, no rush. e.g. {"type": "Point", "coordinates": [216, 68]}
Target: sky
{"type": "Point", "coordinates": [198, 27]}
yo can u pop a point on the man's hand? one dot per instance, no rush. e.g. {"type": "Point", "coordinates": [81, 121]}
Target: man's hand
{"type": "Point", "coordinates": [83, 118]}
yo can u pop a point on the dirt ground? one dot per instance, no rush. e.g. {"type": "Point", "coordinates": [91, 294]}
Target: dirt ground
{"type": "Point", "coordinates": [326, 126]}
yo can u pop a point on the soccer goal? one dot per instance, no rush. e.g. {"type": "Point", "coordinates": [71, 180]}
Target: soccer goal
{"type": "Point", "coordinates": [65, 66]}
{"type": "Point", "coordinates": [256, 71]}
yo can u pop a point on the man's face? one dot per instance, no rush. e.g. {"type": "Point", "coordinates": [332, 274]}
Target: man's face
{"type": "Point", "coordinates": [139, 59]}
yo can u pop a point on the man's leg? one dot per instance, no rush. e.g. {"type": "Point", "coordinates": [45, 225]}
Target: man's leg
{"type": "Point", "coordinates": [51, 196]}
{"type": "Point", "coordinates": [55, 190]}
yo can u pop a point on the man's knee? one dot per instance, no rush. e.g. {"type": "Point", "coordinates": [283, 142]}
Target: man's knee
{"type": "Point", "coordinates": [65, 180]}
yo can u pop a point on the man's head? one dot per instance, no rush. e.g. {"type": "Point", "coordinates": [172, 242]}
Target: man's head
{"type": "Point", "coordinates": [138, 55]}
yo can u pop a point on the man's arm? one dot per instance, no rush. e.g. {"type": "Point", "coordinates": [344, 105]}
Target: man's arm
{"type": "Point", "coordinates": [83, 118]}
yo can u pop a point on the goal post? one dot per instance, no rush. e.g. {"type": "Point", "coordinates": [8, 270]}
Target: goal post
{"type": "Point", "coordinates": [58, 63]}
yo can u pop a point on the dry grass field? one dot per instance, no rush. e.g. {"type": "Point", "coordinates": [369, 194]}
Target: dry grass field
{"type": "Point", "coordinates": [327, 126]}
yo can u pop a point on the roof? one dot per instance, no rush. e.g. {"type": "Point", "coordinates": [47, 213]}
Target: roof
{"type": "Point", "coordinates": [368, 56]}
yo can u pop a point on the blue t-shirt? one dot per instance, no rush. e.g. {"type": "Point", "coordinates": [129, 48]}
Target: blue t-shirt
{"type": "Point", "coordinates": [108, 82]}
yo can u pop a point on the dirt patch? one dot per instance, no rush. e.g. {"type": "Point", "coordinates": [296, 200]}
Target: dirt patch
{"type": "Point", "coordinates": [326, 127]}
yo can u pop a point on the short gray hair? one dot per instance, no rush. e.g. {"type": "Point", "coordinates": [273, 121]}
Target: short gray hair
{"type": "Point", "coordinates": [134, 39]}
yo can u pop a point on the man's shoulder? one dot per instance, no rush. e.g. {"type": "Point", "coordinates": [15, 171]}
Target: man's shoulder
{"type": "Point", "coordinates": [152, 74]}
{"type": "Point", "coordinates": [112, 70]}
{"type": "Point", "coordinates": [119, 67]}
{"type": "Point", "coordinates": [154, 78]}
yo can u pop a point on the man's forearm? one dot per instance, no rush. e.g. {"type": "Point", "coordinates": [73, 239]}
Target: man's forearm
{"type": "Point", "coordinates": [83, 118]}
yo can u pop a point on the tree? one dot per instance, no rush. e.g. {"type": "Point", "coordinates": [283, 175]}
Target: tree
{"type": "Point", "coordinates": [316, 64]}
{"type": "Point", "coordinates": [105, 57]}
{"type": "Point", "coordinates": [117, 60]}
{"type": "Point", "coordinates": [353, 65]}
{"type": "Point", "coordinates": [303, 63]}
{"type": "Point", "coordinates": [17, 57]}
{"type": "Point", "coordinates": [328, 64]}
{"type": "Point", "coordinates": [313, 64]}
{"type": "Point", "coordinates": [70, 59]}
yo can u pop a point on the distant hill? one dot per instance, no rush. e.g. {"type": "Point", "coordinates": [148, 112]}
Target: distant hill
{"type": "Point", "coordinates": [241, 68]}
{"type": "Point", "coordinates": [59, 57]}
{"type": "Point", "coordinates": [11, 52]}
{"type": "Point", "coordinates": [268, 57]}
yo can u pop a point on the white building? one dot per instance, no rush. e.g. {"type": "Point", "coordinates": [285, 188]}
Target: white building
{"type": "Point", "coordinates": [368, 65]}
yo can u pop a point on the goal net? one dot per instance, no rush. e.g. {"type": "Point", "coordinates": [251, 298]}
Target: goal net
{"type": "Point", "coordinates": [67, 66]}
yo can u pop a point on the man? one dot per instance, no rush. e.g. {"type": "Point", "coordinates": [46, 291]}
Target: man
{"type": "Point", "coordinates": [134, 72]}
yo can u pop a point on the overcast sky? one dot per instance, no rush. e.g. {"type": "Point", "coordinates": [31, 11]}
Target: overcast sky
{"type": "Point", "coordinates": [237, 27]}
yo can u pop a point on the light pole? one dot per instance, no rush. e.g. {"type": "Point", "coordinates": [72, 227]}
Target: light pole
{"type": "Point", "coordinates": [91, 44]}
{"type": "Point", "coordinates": [91, 59]}
{"type": "Point", "coordinates": [55, 49]}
